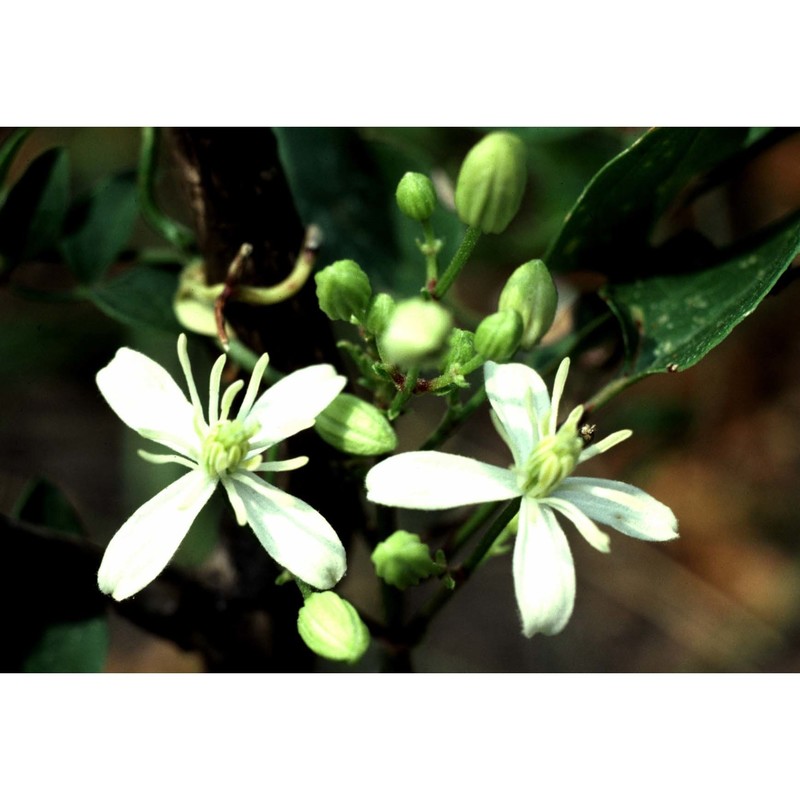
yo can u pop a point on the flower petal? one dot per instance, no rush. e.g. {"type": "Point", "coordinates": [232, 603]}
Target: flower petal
{"type": "Point", "coordinates": [143, 546]}
{"type": "Point", "coordinates": [544, 573]}
{"type": "Point", "coordinates": [146, 398]}
{"type": "Point", "coordinates": [585, 527]}
{"type": "Point", "coordinates": [622, 506]}
{"type": "Point", "coordinates": [293, 403]}
{"type": "Point", "coordinates": [516, 392]}
{"type": "Point", "coordinates": [294, 534]}
{"type": "Point", "coordinates": [427, 479]}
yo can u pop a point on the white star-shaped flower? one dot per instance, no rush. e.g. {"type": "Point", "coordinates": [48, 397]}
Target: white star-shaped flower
{"type": "Point", "coordinates": [525, 417]}
{"type": "Point", "coordinates": [217, 449]}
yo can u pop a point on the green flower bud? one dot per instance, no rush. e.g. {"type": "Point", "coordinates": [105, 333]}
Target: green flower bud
{"type": "Point", "coordinates": [499, 335]}
{"type": "Point", "coordinates": [461, 350]}
{"type": "Point", "coordinates": [331, 627]}
{"type": "Point", "coordinates": [417, 333]}
{"type": "Point", "coordinates": [459, 361]}
{"type": "Point", "coordinates": [379, 313]}
{"type": "Point", "coordinates": [353, 425]}
{"type": "Point", "coordinates": [403, 560]}
{"type": "Point", "coordinates": [491, 182]}
{"type": "Point", "coordinates": [416, 196]}
{"type": "Point", "coordinates": [343, 290]}
{"type": "Point", "coordinates": [530, 292]}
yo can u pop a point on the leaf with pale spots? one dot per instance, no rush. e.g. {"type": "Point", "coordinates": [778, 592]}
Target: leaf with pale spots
{"type": "Point", "coordinates": [670, 322]}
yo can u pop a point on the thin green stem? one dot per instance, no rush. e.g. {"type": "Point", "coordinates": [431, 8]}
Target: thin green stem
{"type": "Point", "coordinates": [175, 233]}
{"type": "Point", "coordinates": [421, 622]}
{"type": "Point", "coordinates": [471, 236]}
{"type": "Point", "coordinates": [609, 391]}
{"type": "Point", "coordinates": [402, 397]}
{"type": "Point", "coordinates": [430, 250]}
{"type": "Point", "coordinates": [474, 523]}
{"type": "Point", "coordinates": [455, 415]}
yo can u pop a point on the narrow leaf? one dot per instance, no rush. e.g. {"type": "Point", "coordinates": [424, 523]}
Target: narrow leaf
{"type": "Point", "coordinates": [106, 220]}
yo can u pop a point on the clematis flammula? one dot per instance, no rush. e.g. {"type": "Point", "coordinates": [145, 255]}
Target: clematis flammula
{"type": "Point", "coordinates": [219, 449]}
{"type": "Point", "coordinates": [525, 417]}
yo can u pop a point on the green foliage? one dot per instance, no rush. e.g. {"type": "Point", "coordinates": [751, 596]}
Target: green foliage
{"type": "Point", "coordinates": [33, 214]}
{"type": "Point", "coordinates": [141, 295]}
{"type": "Point", "coordinates": [72, 645]}
{"type": "Point", "coordinates": [675, 319]}
{"type": "Point", "coordinates": [8, 151]}
{"type": "Point", "coordinates": [608, 228]}
{"type": "Point", "coordinates": [105, 220]}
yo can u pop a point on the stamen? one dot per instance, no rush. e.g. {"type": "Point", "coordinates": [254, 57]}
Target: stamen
{"type": "Point", "coordinates": [213, 390]}
{"type": "Point", "coordinates": [282, 466]}
{"type": "Point", "coordinates": [183, 357]}
{"type": "Point", "coordinates": [163, 458]}
{"type": "Point", "coordinates": [227, 398]}
{"type": "Point", "coordinates": [558, 391]}
{"type": "Point", "coordinates": [607, 443]}
{"type": "Point", "coordinates": [253, 386]}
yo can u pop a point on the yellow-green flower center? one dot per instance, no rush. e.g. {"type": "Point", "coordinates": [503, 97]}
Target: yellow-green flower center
{"type": "Point", "coordinates": [226, 446]}
{"type": "Point", "coordinates": [552, 460]}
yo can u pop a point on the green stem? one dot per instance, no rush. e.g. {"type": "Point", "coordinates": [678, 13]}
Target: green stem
{"type": "Point", "coordinates": [471, 236]}
{"type": "Point", "coordinates": [421, 622]}
{"type": "Point", "coordinates": [172, 231]}
{"type": "Point", "coordinates": [430, 249]}
{"type": "Point", "coordinates": [453, 418]}
{"type": "Point", "coordinates": [474, 523]}
{"type": "Point", "coordinates": [402, 397]}
{"type": "Point", "coordinates": [609, 391]}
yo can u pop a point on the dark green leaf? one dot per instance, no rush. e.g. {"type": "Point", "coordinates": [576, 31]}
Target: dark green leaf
{"type": "Point", "coordinates": [106, 220]}
{"type": "Point", "coordinates": [608, 228]}
{"type": "Point", "coordinates": [676, 319]}
{"type": "Point", "coordinates": [43, 503]}
{"type": "Point", "coordinates": [332, 174]}
{"type": "Point", "coordinates": [62, 645]}
{"type": "Point", "coordinates": [71, 647]}
{"type": "Point", "coordinates": [32, 217]}
{"type": "Point", "coordinates": [8, 150]}
{"type": "Point", "coordinates": [141, 295]}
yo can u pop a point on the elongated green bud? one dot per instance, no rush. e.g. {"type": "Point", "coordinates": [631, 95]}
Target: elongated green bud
{"type": "Point", "coordinates": [404, 560]}
{"type": "Point", "coordinates": [530, 292]}
{"type": "Point", "coordinates": [353, 425]}
{"type": "Point", "coordinates": [498, 336]}
{"type": "Point", "coordinates": [331, 627]}
{"type": "Point", "coordinates": [491, 183]}
{"type": "Point", "coordinates": [415, 196]}
{"type": "Point", "coordinates": [343, 290]}
{"type": "Point", "coordinates": [417, 333]}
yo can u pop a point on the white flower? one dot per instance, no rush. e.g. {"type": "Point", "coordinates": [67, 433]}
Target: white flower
{"type": "Point", "coordinates": [525, 417]}
{"type": "Point", "coordinates": [218, 449]}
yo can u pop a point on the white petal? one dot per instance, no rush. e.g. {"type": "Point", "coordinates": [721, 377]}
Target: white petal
{"type": "Point", "coordinates": [294, 534]}
{"type": "Point", "coordinates": [585, 527]}
{"type": "Point", "coordinates": [517, 393]}
{"type": "Point", "coordinates": [146, 398]}
{"type": "Point", "coordinates": [427, 479]}
{"type": "Point", "coordinates": [293, 403]}
{"type": "Point", "coordinates": [544, 573]}
{"type": "Point", "coordinates": [143, 546]}
{"type": "Point", "coordinates": [622, 506]}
